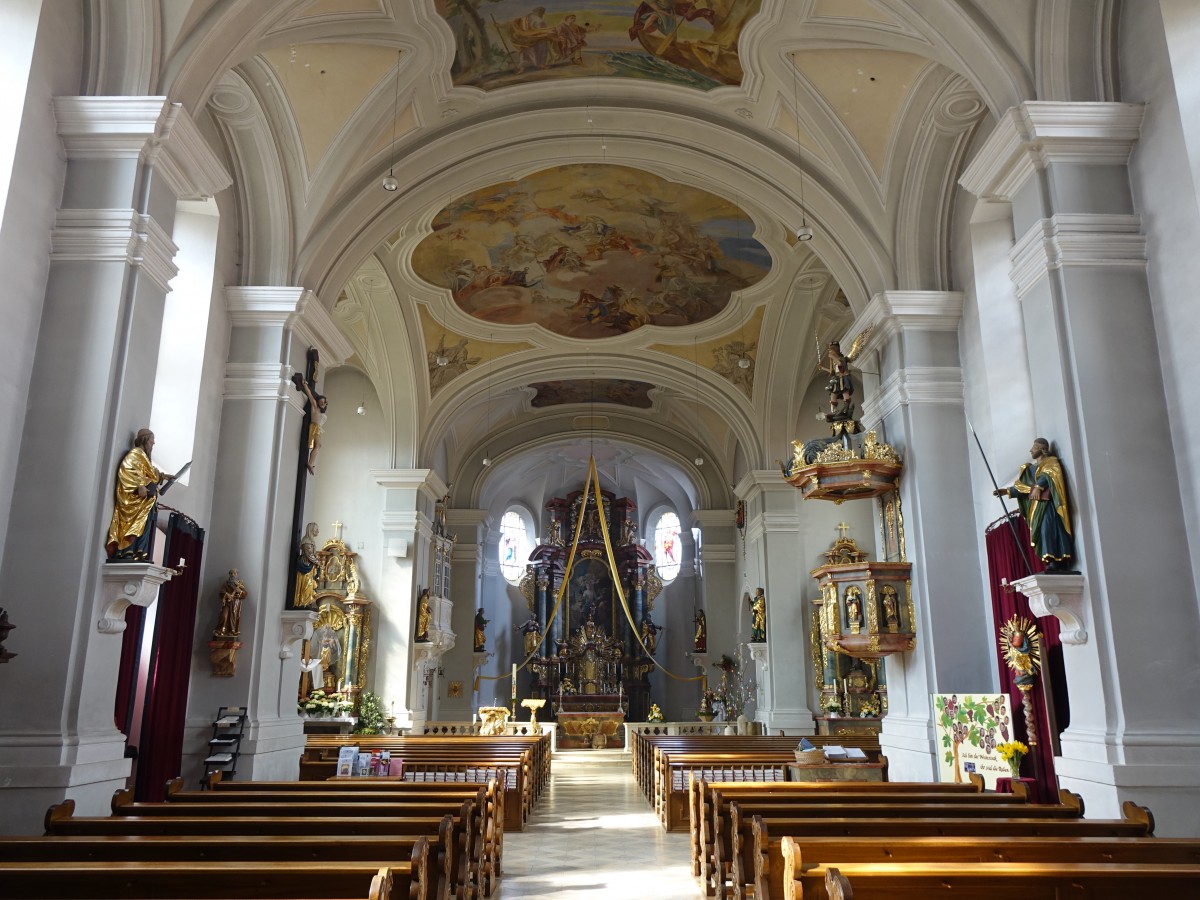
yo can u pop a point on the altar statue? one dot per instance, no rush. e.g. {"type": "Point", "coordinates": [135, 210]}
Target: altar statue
{"type": "Point", "coordinates": [329, 652]}
{"type": "Point", "coordinates": [650, 634]}
{"type": "Point", "coordinates": [531, 629]}
{"type": "Point", "coordinates": [700, 642]}
{"type": "Point", "coordinates": [307, 563]}
{"type": "Point", "coordinates": [758, 616]}
{"type": "Point", "coordinates": [1041, 493]}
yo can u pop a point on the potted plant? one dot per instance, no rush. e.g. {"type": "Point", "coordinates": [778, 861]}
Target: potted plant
{"type": "Point", "coordinates": [371, 717]}
{"type": "Point", "coordinates": [832, 706]}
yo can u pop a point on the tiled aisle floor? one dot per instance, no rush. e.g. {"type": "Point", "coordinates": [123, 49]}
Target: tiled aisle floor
{"type": "Point", "coordinates": [594, 835]}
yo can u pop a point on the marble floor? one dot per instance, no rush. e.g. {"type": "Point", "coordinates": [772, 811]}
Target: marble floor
{"type": "Point", "coordinates": [594, 835]}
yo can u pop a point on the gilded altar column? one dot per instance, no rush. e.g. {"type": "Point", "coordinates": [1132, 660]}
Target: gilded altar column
{"type": "Point", "coordinates": [112, 170]}
{"type": "Point", "coordinates": [1100, 389]}
{"type": "Point", "coordinates": [918, 408]}
{"type": "Point", "coordinates": [272, 329]}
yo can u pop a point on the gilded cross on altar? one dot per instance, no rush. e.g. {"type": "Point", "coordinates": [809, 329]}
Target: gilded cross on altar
{"type": "Point", "coordinates": [337, 530]}
{"type": "Point", "coordinates": [843, 528]}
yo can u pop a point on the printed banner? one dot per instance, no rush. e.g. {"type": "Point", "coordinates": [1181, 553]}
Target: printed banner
{"type": "Point", "coordinates": [968, 729]}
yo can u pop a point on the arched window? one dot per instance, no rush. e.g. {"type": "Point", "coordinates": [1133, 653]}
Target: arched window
{"type": "Point", "coordinates": [514, 546]}
{"type": "Point", "coordinates": [667, 547]}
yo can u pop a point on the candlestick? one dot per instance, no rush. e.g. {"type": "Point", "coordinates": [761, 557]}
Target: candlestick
{"type": "Point", "coordinates": [514, 681]}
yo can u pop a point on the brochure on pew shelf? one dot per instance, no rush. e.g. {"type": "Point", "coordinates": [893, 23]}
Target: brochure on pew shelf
{"type": "Point", "coordinates": [347, 757]}
{"type": "Point", "coordinates": [855, 754]}
{"type": "Point", "coordinates": [833, 751]}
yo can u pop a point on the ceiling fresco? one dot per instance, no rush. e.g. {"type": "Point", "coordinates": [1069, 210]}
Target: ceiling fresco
{"type": "Point", "coordinates": [591, 251]}
{"type": "Point", "coordinates": [449, 354]}
{"type": "Point", "coordinates": [733, 356]}
{"type": "Point", "coordinates": [620, 391]}
{"type": "Point", "coordinates": [505, 42]}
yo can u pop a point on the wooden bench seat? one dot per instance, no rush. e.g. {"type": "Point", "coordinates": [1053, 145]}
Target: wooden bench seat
{"type": "Point", "coordinates": [767, 883]}
{"type": "Point", "coordinates": [991, 881]}
{"type": "Point", "coordinates": [234, 880]}
{"type": "Point", "coordinates": [464, 865]}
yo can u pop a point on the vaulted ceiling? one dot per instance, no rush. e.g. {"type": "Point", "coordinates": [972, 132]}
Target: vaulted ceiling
{"type": "Point", "coordinates": [596, 201]}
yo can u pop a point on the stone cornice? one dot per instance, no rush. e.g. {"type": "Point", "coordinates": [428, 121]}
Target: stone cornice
{"type": "Point", "coordinates": [1065, 240]}
{"type": "Point", "coordinates": [151, 128]}
{"type": "Point", "coordinates": [892, 312]}
{"type": "Point", "coordinates": [262, 306]}
{"type": "Point", "coordinates": [756, 481]}
{"type": "Point", "coordinates": [713, 518]}
{"type": "Point", "coordinates": [262, 381]}
{"type": "Point", "coordinates": [115, 235]}
{"type": "Point", "coordinates": [315, 325]}
{"type": "Point", "coordinates": [1037, 133]}
{"type": "Point", "coordinates": [912, 385]}
{"type": "Point", "coordinates": [426, 481]}
{"type": "Point", "coordinates": [719, 553]}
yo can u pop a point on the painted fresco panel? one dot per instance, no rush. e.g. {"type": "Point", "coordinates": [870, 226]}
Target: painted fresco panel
{"type": "Point", "coordinates": [620, 391]}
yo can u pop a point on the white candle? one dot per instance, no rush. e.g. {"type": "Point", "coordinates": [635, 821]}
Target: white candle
{"type": "Point", "coordinates": [514, 681]}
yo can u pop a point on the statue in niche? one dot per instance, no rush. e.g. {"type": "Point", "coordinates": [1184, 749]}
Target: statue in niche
{"type": "Point", "coordinates": [424, 617]}
{"type": "Point", "coordinates": [700, 642]}
{"type": "Point", "coordinates": [233, 592]}
{"type": "Point", "coordinates": [628, 532]}
{"type": "Point", "coordinates": [329, 652]}
{"type": "Point", "coordinates": [758, 616]}
{"type": "Point", "coordinates": [1041, 493]}
{"type": "Point", "coordinates": [555, 538]}
{"type": "Point", "coordinates": [854, 609]}
{"type": "Point", "coordinates": [891, 606]}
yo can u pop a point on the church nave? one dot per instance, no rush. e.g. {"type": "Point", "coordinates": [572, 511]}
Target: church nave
{"type": "Point", "coordinates": [593, 835]}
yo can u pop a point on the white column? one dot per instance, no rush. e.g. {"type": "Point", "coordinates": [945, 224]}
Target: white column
{"type": "Point", "coordinates": [468, 526]}
{"type": "Point", "coordinates": [718, 595]}
{"type": "Point", "coordinates": [129, 161]}
{"type": "Point", "coordinates": [253, 498]}
{"type": "Point", "coordinates": [919, 410]}
{"type": "Point", "coordinates": [1079, 266]}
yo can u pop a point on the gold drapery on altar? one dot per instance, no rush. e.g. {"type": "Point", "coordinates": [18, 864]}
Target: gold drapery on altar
{"type": "Point", "coordinates": [591, 490]}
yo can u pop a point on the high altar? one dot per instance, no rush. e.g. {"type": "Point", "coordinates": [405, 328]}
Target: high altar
{"type": "Point", "coordinates": [590, 664]}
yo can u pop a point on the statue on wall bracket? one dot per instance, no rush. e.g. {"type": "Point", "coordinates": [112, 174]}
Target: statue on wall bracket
{"type": "Point", "coordinates": [1041, 494]}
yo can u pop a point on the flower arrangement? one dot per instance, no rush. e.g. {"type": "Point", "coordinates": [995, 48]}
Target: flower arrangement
{"type": "Point", "coordinates": [868, 707]}
{"type": "Point", "coordinates": [1012, 752]}
{"type": "Point", "coordinates": [831, 704]}
{"type": "Point", "coordinates": [655, 714]}
{"type": "Point", "coordinates": [371, 717]}
{"type": "Point", "coordinates": [318, 703]}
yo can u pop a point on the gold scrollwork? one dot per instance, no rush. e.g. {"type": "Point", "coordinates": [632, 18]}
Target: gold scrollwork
{"type": "Point", "coordinates": [815, 644]}
{"type": "Point", "coordinates": [909, 607]}
{"type": "Point", "coordinates": [835, 453]}
{"type": "Point", "coordinates": [526, 586]}
{"type": "Point", "coordinates": [873, 643]}
{"type": "Point", "coordinates": [592, 554]}
{"type": "Point", "coordinates": [654, 586]}
{"type": "Point", "coordinates": [873, 449]}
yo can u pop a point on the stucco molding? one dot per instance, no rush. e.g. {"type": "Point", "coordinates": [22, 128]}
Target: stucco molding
{"type": "Point", "coordinates": [1037, 134]}
{"type": "Point", "coordinates": [914, 385]}
{"type": "Point", "coordinates": [891, 312]}
{"type": "Point", "coordinates": [1083, 240]}
{"type": "Point", "coordinates": [115, 235]}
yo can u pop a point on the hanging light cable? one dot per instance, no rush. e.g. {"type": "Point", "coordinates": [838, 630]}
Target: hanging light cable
{"type": "Point", "coordinates": [699, 460]}
{"type": "Point", "coordinates": [804, 232]}
{"type": "Point", "coordinates": [487, 457]}
{"type": "Point", "coordinates": [390, 184]}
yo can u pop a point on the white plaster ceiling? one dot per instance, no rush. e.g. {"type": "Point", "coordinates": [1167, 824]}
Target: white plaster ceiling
{"type": "Point", "coordinates": [842, 105]}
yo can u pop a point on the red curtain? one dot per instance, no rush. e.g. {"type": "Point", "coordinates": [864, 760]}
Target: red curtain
{"type": "Point", "coordinates": [1010, 558]}
{"type": "Point", "coordinates": [161, 750]}
{"type": "Point", "coordinates": [131, 649]}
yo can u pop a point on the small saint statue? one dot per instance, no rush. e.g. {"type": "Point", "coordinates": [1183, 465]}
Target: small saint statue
{"type": "Point", "coordinates": [531, 630]}
{"type": "Point", "coordinates": [424, 616]}
{"type": "Point", "coordinates": [307, 563]}
{"type": "Point", "coordinates": [1041, 494]}
{"type": "Point", "coordinates": [758, 616]}
{"type": "Point", "coordinates": [628, 532]}
{"type": "Point", "coordinates": [700, 642]}
{"type": "Point", "coordinates": [233, 592]}
{"type": "Point", "coordinates": [135, 504]}
{"type": "Point", "coordinates": [480, 634]}
{"type": "Point", "coordinates": [650, 634]}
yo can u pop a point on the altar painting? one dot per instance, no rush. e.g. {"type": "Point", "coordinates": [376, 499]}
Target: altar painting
{"type": "Point", "coordinates": [499, 43]}
{"type": "Point", "coordinates": [968, 728]}
{"type": "Point", "coordinates": [590, 593]}
{"type": "Point", "coordinates": [592, 251]}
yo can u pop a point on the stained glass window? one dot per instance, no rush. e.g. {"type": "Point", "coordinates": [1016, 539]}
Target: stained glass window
{"type": "Point", "coordinates": [667, 550]}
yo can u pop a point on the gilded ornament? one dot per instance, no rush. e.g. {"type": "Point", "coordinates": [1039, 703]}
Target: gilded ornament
{"type": "Point", "coordinates": [835, 453]}
{"type": "Point", "coordinates": [873, 449]}
{"type": "Point", "coordinates": [525, 586]}
{"type": "Point", "coordinates": [815, 644]}
{"type": "Point", "coordinates": [873, 643]}
{"type": "Point", "coordinates": [872, 608]}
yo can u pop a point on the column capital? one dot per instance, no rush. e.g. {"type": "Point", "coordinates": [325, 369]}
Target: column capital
{"type": "Point", "coordinates": [713, 518]}
{"type": "Point", "coordinates": [893, 312]}
{"type": "Point", "coordinates": [289, 306]}
{"type": "Point", "coordinates": [115, 235]}
{"type": "Point", "coordinates": [759, 481]}
{"type": "Point", "coordinates": [1036, 134]}
{"type": "Point", "coordinates": [913, 384]}
{"type": "Point", "coordinates": [152, 129]}
{"type": "Point", "coordinates": [426, 481]}
{"type": "Point", "coordinates": [1076, 239]}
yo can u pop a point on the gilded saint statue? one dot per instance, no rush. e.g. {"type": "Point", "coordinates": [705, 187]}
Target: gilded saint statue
{"type": "Point", "coordinates": [233, 592]}
{"type": "Point", "coordinates": [531, 631]}
{"type": "Point", "coordinates": [1041, 493]}
{"type": "Point", "coordinates": [758, 616]}
{"type": "Point", "coordinates": [424, 616]}
{"type": "Point", "coordinates": [700, 641]}
{"type": "Point", "coordinates": [480, 634]}
{"type": "Point", "coordinates": [307, 563]}
{"type": "Point", "coordinates": [135, 502]}
{"type": "Point", "coordinates": [650, 634]}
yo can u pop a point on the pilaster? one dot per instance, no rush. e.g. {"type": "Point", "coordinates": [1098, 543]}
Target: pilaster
{"type": "Point", "coordinates": [129, 160]}
{"type": "Point", "coordinates": [918, 407]}
{"type": "Point", "coordinates": [1079, 267]}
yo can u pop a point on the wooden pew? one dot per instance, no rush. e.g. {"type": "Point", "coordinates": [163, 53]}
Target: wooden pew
{"type": "Point", "coordinates": [234, 880]}
{"type": "Point", "coordinates": [768, 874]}
{"type": "Point", "coordinates": [429, 859]}
{"type": "Point", "coordinates": [725, 833]}
{"type": "Point", "coordinates": [991, 881]}
{"type": "Point", "coordinates": [461, 865]}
